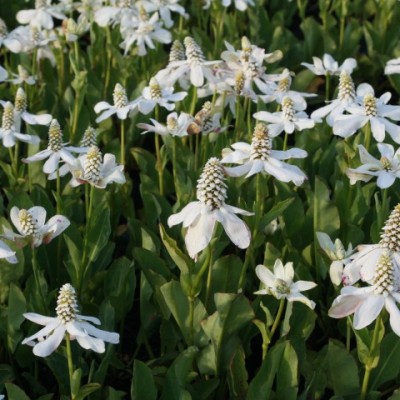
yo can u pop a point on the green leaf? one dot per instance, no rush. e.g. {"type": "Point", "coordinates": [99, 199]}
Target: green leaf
{"type": "Point", "coordinates": [286, 377]}
{"type": "Point", "coordinates": [174, 386]}
{"type": "Point", "coordinates": [98, 232]}
{"type": "Point", "coordinates": [76, 381]}
{"type": "Point", "coordinates": [86, 390]}
{"type": "Point", "coordinates": [16, 307]}
{"type": "Point", "coordinates": [237, 376]}
{"type": "Point", "coordinates": [342, 370]}
{"type": "Point", "coordinates": [275, 212]}
{"type": "Point", "coordinates": [142, 386]}
{"type": "Point", "coordinates": [182, 261]}
{"type": "Point", "coordinates": [179, 305]}
{"type": "Point", "coordinates": [15, 393]}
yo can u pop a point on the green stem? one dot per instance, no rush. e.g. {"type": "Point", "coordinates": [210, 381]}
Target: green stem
{"type": "Point", "coordinates": [206, 264]}
{"type": "Point", "coordinates": [368, 367]}
{"type": "Point", "coordinates": [159, 164]}
{"type": "Point", "coordinates": [70, 364]}
{"type": "Point", "coordinates": [285, 140]}
{"type": "Point", "coordinates": [275, 325]}
{"type": "Point", "coordinates": [327, 86]}
{"type": "Point", "coordinates": [367, 136]}
{"type": "Point", "coordinates": [35, 269]}
{"type": "Point", "coordinates": [108, 66]}
{"type": "Point", "coordinates": [122, 142]}
{"type": "Point", "coordinates": [342, 23]}
{"type": "Point", "coordinates": [194, 101]}
{"type": "Point", "coordinates": [348, 334]}
{"type": "Point", "coordinates": [13, 163]}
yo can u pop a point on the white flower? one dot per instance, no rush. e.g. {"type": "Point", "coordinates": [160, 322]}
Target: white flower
{"type": "Point", "coordinates": [144, 31]}
{"type": "Point", "coordinates": [363, 262]}
{"type": "Point", "coordinates": [32, 227]}
{"type": "Point", "coordinates": [240, 5]}
{"type": "Point", "coordinates": [373, 110]}
{"type": "Point", "coordinates": [8, 131]}
{"type": "Point", "coordinates": [120, 12]}
{"type": "Point", "coordinates": [328, 66]}
{"type": "Point", "coordinates": [280, 283]}
{"type": "Point", "coordinates": [200, 217]}
{"type": "Point", "coordinates": [78, 327]}
{"type": "Point", "coordinates": [22, 77]}
{"type": "Point", "coordinates": [73, 30]}
{"type": "Point", "coordinates": [392, 66]}
{"type": "Point", "coordinates": [291, 118]}
{"type": "Point", "coordinates": [386, 169]}
{"type": "Point", "coordinates": [155, 94]}
{"type": "Point", "coordinates": [367, 302]}
{"type": "Point", "coordinates": [121, 105]}
{"type": "Point", "coordinates": [9, 40]}
{"type": "Point", "coordinates": [195, 64]}
{"type": "Point", "coordinates": [346, 97]}
{"type": "Point", "coordinates": [165, 7]}
{"type": "Point", "coordinates": [42, 16]}
{"type": "Point", "coordinates": [259, 157]}
{"type": "Point", "coordinates": [56, 151]}
{"type": "Point", "coordinates": [90, 168]}
{"type": "Point", "coordinates": [21, 113]}
{"type": "Point", "coordinates": [337, 254]}
{"type": "Point", "coordinates": [176, 125]}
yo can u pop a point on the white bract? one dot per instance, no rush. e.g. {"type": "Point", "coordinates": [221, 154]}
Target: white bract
{"type": "Point", "coordinates": [33, 228]}
{"type": "Point", "coordinates": [67, 321]}
{"type": "Point", "coordinates": [56, 150]}
{"type": "Point", "coordinates": [240, 5]}
{"type": "Point", "coordinates": [328, 66]}
{"type": "Point", "coordinates": [164, 8]}
{"type": "Point", "coordinates": [22, 77]}
{"type": "Point", "coordinates": [91, 168]}
{"type": "Point", "coordinates": [7, 253]}
{"type": "Point", "coordinates": [42, 16]}
{"type": "Point", "coordinates": [337, 254]}
{"type": "Point", "coordinates": [280, 283]}
{"type": "Point", "coordinates": [366, 303]}
{"type": "Point", "coordinates": [291, 118]}
{"type": "Point", "coordinates": [372, 110]}
{"type": "Point", "coordinates": [176, 125]}
{"type": "Point", "coordinates": [393, 66]}
{"type": "Point", "coordinates": [8, 131]}
{"type": "Point", "coordinates": [200, 217]}
{"type": "Point", "coordinates": [386, 169]}
{"type": "Point", "coordinates": [259, 157]}
{"type": "Point", "coordinates": [121, 105]}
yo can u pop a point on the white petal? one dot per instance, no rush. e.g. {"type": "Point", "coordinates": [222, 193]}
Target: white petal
{"type": "Point", "coordinates": [377, 129]}
{"type": "Point", "coordinates": [385, 179]}
{"type": "Point", "coordinates": [347, 125]}
{"type": "Point", "coordinates": [368, 311]}
{"type": "Point", "coordinates": [235, 228]}
{"type": "Point", "coordinates": [101, 106]}
{"type": "Point", "coordinates": [45, 348]}
{"type": "Point", "coordinates": [302, 286]}
{"type": "Point", "coordinates": [196, 76]}
{"type": "Point", "coordinates": [39, 214]}
{"type": "Point", "coordinates": [187, 215]}
{"type": "Point", "coordinates": [52, 163]}
{"type": "Point", "coordinates": [90, 343]}
{"type": "Point", "coordinates": [301, 298]}
{"type": "Point", "coordinates": [54, 227]}
{"type": "Point", "coordinates": [39, 319]}
{"type": "Point", "coordinates": [110, 337]}
{"type": "Point", "coordinates": [394, 312]}
{"type": "Point", "coordinates": [344, 305]}
{"type": "Point", "coordinates": [199, 233]}
{"type": "Point", "coordinates": [265, 276]}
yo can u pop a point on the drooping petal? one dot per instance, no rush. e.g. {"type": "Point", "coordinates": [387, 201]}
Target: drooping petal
{"type": "Point", "coordinates": [385, 179]}
{"type": "Point", "coordinates": [344, 305]}
{"type": "Point", "coordinates": [45, 348]}
{"type": "Point", "coordinates": [39, 319]}
{"type": "Point", "coordinates": [187, 215]}
{"type": "Point", "coordinates": [51, 164]}
{"type": "Point", "coordinates": [90, 343]}
{"type": "Point", "coordinates": [110, 337]}
{"type": "Point", "coordinates": [394, 313]}
{"type": "Point", "coordinates": [302, 286]}
{"type": "Point", "coordinates": [48, 328]}
{"type": "Point", "coordinates": [302, 299]}
{"type": "Point", "coordinates": [235, 228]}
{"type": "Point", "coordinates": [368, 310]}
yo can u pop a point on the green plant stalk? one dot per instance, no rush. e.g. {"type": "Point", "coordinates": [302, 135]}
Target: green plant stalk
{"type": "Point", "coordinates": [35, 269]}
{"type": "Point", "coordinates": [70, 364]}
{"type": "Point", "coordinates": [367, 136]}
{"type": "Point", "coordinates": [158, 155]}
{"type": "Point", "coordinates": [13, 163]}
{"type": "Point", "coordinates": [275, 325]}
{"type": "Point", "coordinates": [368, 368]}
{"type": "Point", "coordinates": [285, 140]}
{"type": "Point", "coordinates": [75, 114]}
{"type": "Point", "coordinates": [249, 117]}
{"type": "Point", "coordinates": [327, 86]}
{"type": "Point", "coordinates": [348, 333]}
{"type": "Point", "coordinates": [88, 208]}
{"type": "Point", "coordinates": [108, 63]}
{"type": "Point", "coordinates": [122, 142]}
{"type": "Point", "coordinates": [194, 101]}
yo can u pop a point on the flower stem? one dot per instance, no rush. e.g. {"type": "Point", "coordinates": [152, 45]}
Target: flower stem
{"type": "Point", "coordinates": [108, 66]}
{"type": "Point", "coordinates": [70, 364]}
{"type": "Point", "coordinates": [158, 155]}
{"type": "Point", "coordinates": [274, 326]}
{"type": "Point", "coordinates": [368, 367]}
{"type": "Point", "coordinates": [327, 86]}
{"type": "Point", "coordinates": [35, 269]}
{"type": "Point", "coordinates": [367, 136]}
{"type": "Point", "coordinates": [122, 142]}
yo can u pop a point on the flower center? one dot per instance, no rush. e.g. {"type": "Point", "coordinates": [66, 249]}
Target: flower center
{"type": "Point", "coordinates": [8, 117]}
{"type": "Point", "coordinates": [35, 35]}
{"type": "Point", "coordinates": [172, 123]}
{"type": "Point", "coordinates": [40, 4]}
{"type": "Point", "coordinates": [124, 3]}
{"type": "Point", "coordinates": [251, 69]}
{"type": "Point", "coordinates": [194, 54]}
{"type": "Point", "coordinates": [89, 138]}
{"type": "Point", "coordinates": [92, 164]}
{"type": "Point", "coordinates": [22, 72]}
{"type": "Point", "coordinates": [55, 136]}
{"type": "Point", "coordinates": [281, 287]}
{"type": "Point", "coordinates": [28, 224]}
{"type": "Point", "coordinates": [155, 89]}
{"type": "Point", "coordinates": [20, 100]}
{"type": "Point", "coordinates": [67, 306]}
{"type": "Point", "coordinates": [119, 96]}
{"type": "Point", "coordinates": [287, 108]}
{"type": "Point", "coordinates": [390, 236]}
{"type": "Point", "coordinates": [261, 143]}
{"type": "Point", "coordinates": [211, 188]}
{"type": "Point", "coordinates": [284, 85]}
{"type": "Point", "coordinates": [177, 52]}
{"type": "Point", "coordinates": [384, 275]}
{"type": "Point", "coordinates": [239, 83]}
{"type": "Point", "coordinates": [370, 105]}
{"type": "Point", "coordinates": [386, 164]}
{"type": "Point", "coordinates": [346, 87]}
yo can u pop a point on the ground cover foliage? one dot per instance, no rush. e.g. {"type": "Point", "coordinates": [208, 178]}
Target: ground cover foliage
{"type": "Point", "coordinates": [189, 321]}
